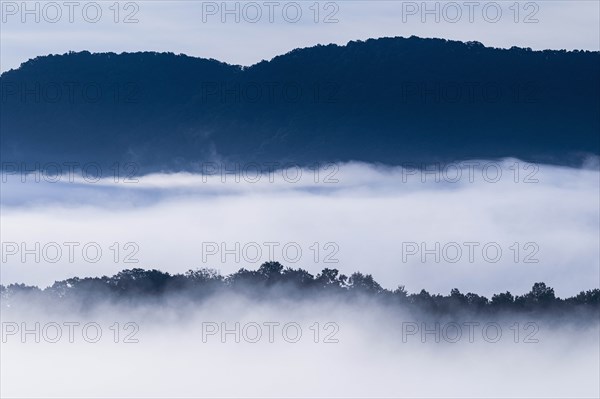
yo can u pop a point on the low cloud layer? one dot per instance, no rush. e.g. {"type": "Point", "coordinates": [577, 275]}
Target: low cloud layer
{"type": "Point", "coordinates": [485, 226]}
{"type": "Point", "coordinates": [362, 217]}
{"type": "Point", "coordinates": [176, 351]}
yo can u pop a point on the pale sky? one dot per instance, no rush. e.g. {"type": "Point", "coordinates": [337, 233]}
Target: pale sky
{"type": "Point", "coordinates": [267, 28]}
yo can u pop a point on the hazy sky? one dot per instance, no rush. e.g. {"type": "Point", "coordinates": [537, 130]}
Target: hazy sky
{"type": "Point", "coordinates": [265, 29]}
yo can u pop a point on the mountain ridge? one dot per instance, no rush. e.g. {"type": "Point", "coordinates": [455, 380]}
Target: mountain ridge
{"type": "Point", "coordinates": [473, 43]}
{"type": "Point", "coordinates": [387, 100]}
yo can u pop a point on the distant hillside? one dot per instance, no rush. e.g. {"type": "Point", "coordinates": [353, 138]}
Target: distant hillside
{"type": "Point", "coordinates": [390, 100]}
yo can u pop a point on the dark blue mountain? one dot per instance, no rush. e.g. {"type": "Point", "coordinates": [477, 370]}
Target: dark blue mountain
{"type": "Point", "coordinates": [391, 100]}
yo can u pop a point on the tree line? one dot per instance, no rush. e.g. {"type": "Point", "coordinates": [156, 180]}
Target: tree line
{"type": "Point", "coordinates": [272, 280]}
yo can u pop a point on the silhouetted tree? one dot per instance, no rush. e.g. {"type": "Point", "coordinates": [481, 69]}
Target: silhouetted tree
{"type": "Point", "coordinates": [362, 283]}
